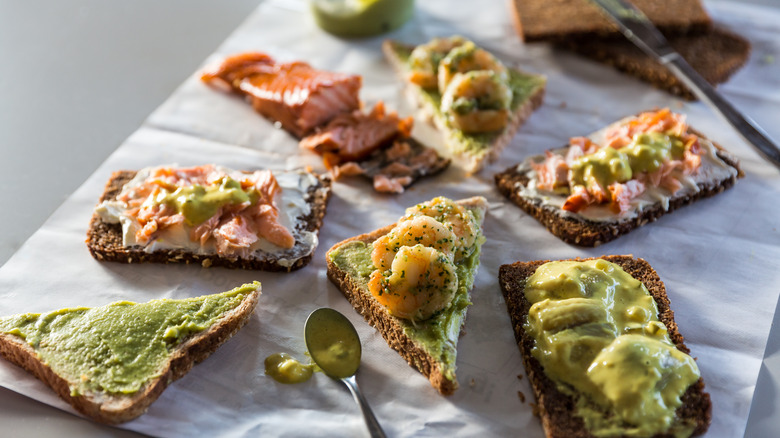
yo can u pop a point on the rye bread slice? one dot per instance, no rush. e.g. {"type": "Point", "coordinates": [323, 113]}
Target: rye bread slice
{"type": "Point", "coordinates": [577, 230]}
{"type": "Point", "coordinates": [390, 327]}
{"type": "Point", "coordinates": [715, 54]}
{"type": "Point", "coordinates": [556, 409]}
{"type": "Point", "coordinates": [555, 20]}
{"type": "Point", "coordinates": [492, 144]}
{"type": "Point", "coordinates": [118, 408]}
{"type": "Point", "coordinates": [104, 240]}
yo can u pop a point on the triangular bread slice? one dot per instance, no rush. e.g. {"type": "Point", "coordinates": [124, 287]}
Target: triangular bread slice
{"type": "Point", "coordinates": [402, 335]}
{"type": "Point", "coordinates": [20, 345]}
{"type": "Point", "coordinates": [474, 150]}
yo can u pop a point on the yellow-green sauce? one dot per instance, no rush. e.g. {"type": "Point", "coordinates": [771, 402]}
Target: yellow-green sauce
{"type": "Point", "coordinates": [285, 369]}
{"type": "Point", "coordinates": [198, 203]}
{"type": "Point", "coordinates": [119, 347]}
{"type": "Point", "coordinates": [646, 153]}
{"type": "Point", "coordinates": [437, 334]}
{"type": "Point", "coordinates": [598, 337]}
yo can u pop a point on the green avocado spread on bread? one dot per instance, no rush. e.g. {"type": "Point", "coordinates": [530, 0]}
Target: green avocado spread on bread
{"type": "Point", "coordinates": [119, 347]}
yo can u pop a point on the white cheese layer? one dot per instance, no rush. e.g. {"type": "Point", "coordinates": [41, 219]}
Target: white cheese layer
{"type": "Point", "coordinates": [712, 170]}
{"type": "Point", "coordinates": [291, 202]}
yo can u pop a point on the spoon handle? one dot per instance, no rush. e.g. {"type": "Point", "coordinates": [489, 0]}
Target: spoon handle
{"type": "Point", "coordinates": [373, 425]}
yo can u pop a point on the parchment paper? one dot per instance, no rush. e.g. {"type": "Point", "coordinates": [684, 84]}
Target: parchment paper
{"type": "Point", "coordinates": [718, 257]}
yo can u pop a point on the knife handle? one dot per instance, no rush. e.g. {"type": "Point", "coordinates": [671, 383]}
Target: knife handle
{"type": "Point", "coordinates": [747, 128]}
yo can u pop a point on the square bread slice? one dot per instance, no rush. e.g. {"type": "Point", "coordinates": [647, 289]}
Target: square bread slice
{"type": "Point", "coordinates": [435, 363]}
{"type": "Point", "coordinates": [554, 407]}
{"type": "Point", "coordinates": [474, 150]}
{"type": "Point", "coordinates": [518, 183]}
{"type": "Point", "coordinates": [105, 240]}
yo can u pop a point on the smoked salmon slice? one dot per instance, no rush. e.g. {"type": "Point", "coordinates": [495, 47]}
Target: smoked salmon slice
{"type": "Point", "coordinates": [294, 94]}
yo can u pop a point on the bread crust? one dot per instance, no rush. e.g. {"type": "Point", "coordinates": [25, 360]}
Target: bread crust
{"type": "Point", "coordinates": [104, 240]}
{"type": "Point", "coordinates": [579, 231]}
{"type": "Point", "coordinates": [556, 409]}
{"type": "Point", "coordinates": [472, 163]}
{"type": "Point", "coordinates": [378, 316]}
{"type": "Point", "coordinates": [118, 408]}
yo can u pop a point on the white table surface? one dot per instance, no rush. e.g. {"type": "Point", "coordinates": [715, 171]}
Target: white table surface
{"type": "Point", "coordinates": [94, 70]}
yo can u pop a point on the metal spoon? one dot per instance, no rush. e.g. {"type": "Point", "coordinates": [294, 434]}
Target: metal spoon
{"type": "Point", "coordinates": [334, 346]}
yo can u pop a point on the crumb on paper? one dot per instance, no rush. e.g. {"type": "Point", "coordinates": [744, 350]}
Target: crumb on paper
{"type": "Point", "coordinates": [562, 105]}
{"type": "Point", "coordinates": [472, 383]}
{"type": "Point", "coordinates": [522, 396]}
{"type": "Point", "coordinates": [206, 263]}
{"type": "Point", "coordinates": [768, 59]}
{"type": "Point", "coordinates": [519, 377]}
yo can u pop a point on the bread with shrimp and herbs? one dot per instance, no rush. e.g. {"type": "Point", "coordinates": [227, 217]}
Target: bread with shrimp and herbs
{"type": "Point", "coordinates": [619, 178]}
{"type": "Point", "coordinates": [210, 215]}
{"type": "Point", "coordinates": [601, 349]}
{"type": "Point", "coordinates": [476, 101]}
{"type": "Point", "coordinates": [411, 280]}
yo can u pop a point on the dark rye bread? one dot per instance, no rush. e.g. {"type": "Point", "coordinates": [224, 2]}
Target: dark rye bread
{"type": "Point", "coordinates": [555, 20]}
{"type": "Point", "coordinates": [556, 409]}
{"type": "Point", "coordinates": [377, 315]}
{"type": "Point", "coordinates": [118, 408]}
{"type": "Point", "coordinates": [715, 54]}
{"type": "Point", "coordinates": [577, 230]}
{"type": "Point", "coordinates": [104, 240]}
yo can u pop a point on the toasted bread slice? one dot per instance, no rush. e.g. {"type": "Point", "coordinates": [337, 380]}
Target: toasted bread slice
{"type": "Point", "coordinates": [517, 184]}
{"type": "Point", "coordinates": [555, 20]}
{"type": "Point", "coordinates": [554, 407]}
{"type": "Point", "coordinates": [435, 363]}
{"type": "Point", "coordinates": [105, 240]}
{"type": "Point", "coordinates": [34, 354]}
{"type": "Point", "coordinates": [715, 54]}
{"type": "Point", "coordinates": [475, 150]}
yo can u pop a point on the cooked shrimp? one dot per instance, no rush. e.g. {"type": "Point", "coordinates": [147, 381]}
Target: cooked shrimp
{"type": "Point", "coordinates": [477, 101]}
{"type": "Point", "coordinates": [423, 230]}
{"type": "Point", "coordinates": [424, 60]}
{"type": "Point", "coordinates": [422, 281]}
{"type": "Point", "coordinates": [465, 58]}
{"type": "Point", "coordinates": [453, 216]}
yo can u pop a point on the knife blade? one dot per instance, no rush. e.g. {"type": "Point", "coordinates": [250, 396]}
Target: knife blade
{"type": "Point", "coordinates": [635, 26]}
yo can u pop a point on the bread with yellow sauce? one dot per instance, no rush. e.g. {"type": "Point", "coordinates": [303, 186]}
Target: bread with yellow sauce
{"type": "Point", "coordinates": [400, 334]}
{"type": "Point", "coordinates": [557, 409]}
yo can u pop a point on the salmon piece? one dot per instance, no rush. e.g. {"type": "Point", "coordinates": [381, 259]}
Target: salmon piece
{"type": "Point", "coordinates": [388, 184]}
{"type": "Point", "coordinates": [295, 94]}
{"type": "Point", "coordinates": [579, 199]}
{"type": "Point", "coordinates": [623, 193]}
{"type": "Point", "coordinates": [233, 237]}
{"type": "Point", "coordinates": [553, 172]}
{"type": "Point", "coordinates": [354, 136]}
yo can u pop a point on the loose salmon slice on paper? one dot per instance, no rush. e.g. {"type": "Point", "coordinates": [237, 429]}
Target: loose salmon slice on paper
{"type": "Point", "coordinates": [293, 94]}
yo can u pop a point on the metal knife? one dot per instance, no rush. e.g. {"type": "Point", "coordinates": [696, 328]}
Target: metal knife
{"type": "Point", "coordinates": [635, 25]}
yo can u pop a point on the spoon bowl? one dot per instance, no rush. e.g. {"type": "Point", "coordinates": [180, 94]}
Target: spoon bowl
{"type": "Point", "coordinates": [334, 345]}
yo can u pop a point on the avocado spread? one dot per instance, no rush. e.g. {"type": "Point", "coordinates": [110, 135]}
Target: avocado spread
{"type": "Point", "coordinates": [438, 334]}
{"type": "Point", "coordinates": [119, 347]}
{"type": "Point", "coordinates": [646, 153]}
{"type": "Point", "coordinates": [198, 203]}
{"type": "Point", "coordinates": [285, 369]}
{"type": "Point", "coordinates": [598, 337]}
{"type": "Point", "coordinates": [523, 85]}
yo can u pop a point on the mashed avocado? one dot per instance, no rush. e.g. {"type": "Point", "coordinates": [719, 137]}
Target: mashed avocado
{"type": "Point", "coordinates": [437, 335]}
{"type": "Point", "coordinates": [119, 347]}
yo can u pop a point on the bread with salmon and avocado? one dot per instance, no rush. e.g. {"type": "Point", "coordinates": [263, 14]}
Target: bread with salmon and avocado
{"type": "Point", "coordinates": [618, 178]}
{"type": "Point", "coordinates": [210, 215]}
{"type": "Point", "coordinates": [112, 362]}
{"type": "Point", "coordinates": [602, 363]}
{"type": "Point", "coordinates": [411, 281]}
{"type": "Point", "coordinates": [475, 101]}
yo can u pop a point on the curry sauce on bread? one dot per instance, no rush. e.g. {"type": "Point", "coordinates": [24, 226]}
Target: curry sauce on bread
{"type": "Point", "coordinates": [606, 347]}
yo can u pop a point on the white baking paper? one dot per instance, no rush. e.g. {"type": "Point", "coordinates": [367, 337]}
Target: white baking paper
{"type": "Point", "coordinates": [718, 258]}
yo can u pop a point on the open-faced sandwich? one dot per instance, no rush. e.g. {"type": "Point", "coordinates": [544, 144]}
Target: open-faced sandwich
{"type": "Point", "coordinates": [619, 178]}
{"type": "Point", "coordinates": [323, 109]}
{"type": "Point", "coordinates": [476, 101]}
{"type": "Point", "coordinates": [210, 215]}
{"type": "Point", "coordinates": [112, 362]}
{"type": "Point", "coordinates": [411, 281]}
{"type": "Point", "coordinates": [602, 351]}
